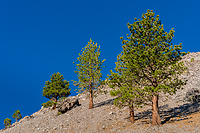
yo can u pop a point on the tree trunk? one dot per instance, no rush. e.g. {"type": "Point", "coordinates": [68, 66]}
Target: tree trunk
{"type": "Point", "coordinates": [155, 111]}
{"type": "Point", "coordinates": [131, 109]}
{"type": "Point", "coordinates": [91, 98]}
{"type": "Point", "coordinates": [54, 106]}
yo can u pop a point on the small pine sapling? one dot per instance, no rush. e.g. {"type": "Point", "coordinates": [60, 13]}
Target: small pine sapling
{"type": "Point", "coordinates": [7, 122]}
{"type": "Point", "coordinates": [192, 60]}
{"type": "Point", "coordinates": [17, 115]}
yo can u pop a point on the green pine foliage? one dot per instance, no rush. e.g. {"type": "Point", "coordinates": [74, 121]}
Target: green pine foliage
{"type": "Point", "coordinates": [125, 90]}
{"type": "Point", "coordinates": [17, 115]}
{"type": "Point", "coordinates": [123, 85]}
{"type": "Point", "coordinates": [48, 104]}
{"type": "Point", "coordinates": [59, 113]}
{"type": "Point", "coordinates": [192, 60]}
{"type": "Point", "coordinates": [149, 63]}
{"type": "Point", "coordinates": [7, 122]}
{"type": "Point", "coordinates": [56, 88]}
{"type": "Point", "coordinates": [89, 66]}
{"type": "Point", "coordinates": [154, 60]}
{"type": "Point", "coordinates": [62, 98]}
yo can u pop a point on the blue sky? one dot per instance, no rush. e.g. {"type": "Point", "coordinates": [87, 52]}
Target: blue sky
{"type": "Point", "coordinates": [39, 38]}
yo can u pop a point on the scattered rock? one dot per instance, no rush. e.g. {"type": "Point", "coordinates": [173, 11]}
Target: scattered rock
{"type": "Point", "coordinates": [174, 112]}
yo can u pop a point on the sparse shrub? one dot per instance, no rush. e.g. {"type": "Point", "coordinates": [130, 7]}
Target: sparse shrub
{"type": "Point", "coordinates": [7, 122]}
{"type": "Point", "coordinates": [17, 115]}
{"type": "Point", "coordinates": [62, 98]}
{"type": "Point", "coordinates": [192, 59]}
{"type": "Point", "coordinates": [48, 104]}
{"type": "Point", "coordinates": [59, 113]}
{"type": "Point", "coordinates": [193, 95]}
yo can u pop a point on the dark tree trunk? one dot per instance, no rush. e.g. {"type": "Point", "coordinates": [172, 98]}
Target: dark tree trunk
{"type": "Point", "coordinates": [155, 111]}
{"type": "Point", "coordinates": [91, 98]}
{"type": "Point", "coordinates": [54, 106]}
{"type": "Point", "coordinates": [131, 109]}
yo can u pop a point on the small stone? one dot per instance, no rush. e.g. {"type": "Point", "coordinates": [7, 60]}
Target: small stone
{"type": "Point", "coordinates": [111, 113]}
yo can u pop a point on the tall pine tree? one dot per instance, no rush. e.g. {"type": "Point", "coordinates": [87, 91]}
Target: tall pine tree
{"type": "Point", "coordinates": [89, 66]}
{"type": "Point", "coordinates": [149, 55]}
{"type": "Point", "coordinates": [56, 88]}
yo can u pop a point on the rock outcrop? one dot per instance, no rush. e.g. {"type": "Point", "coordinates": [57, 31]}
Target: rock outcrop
{"type": "Point", "coordinates": [67, 104]}
{"type": "Point", "coordinates": [193, 95]}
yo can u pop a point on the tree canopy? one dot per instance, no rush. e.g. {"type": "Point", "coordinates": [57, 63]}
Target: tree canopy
{"type": "Point", "coordinates": [123, 87]}
{"type": "Point", "coordinates": [56, 88]}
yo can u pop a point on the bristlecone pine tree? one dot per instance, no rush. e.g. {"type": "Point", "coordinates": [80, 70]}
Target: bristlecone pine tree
{"type": "Point", "coordinates": [7, 122]}
{"type": "Point", "coordinates": [17, 115]}
{"type": "Point", "coordinates": [89, 66]}
{"type": "Point", "coordinates": [153, 60]}
{"type": "Point", "coordinates": [56, 88]}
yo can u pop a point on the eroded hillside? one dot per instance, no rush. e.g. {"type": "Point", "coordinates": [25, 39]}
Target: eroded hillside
{"type": "Point", "coordinates": [177, 114]}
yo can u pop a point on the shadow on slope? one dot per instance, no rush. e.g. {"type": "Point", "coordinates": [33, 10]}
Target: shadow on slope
{"type": "Point", "coordinates": [104, 103]}
{"type": "Point", "coordinates": [177, 113]}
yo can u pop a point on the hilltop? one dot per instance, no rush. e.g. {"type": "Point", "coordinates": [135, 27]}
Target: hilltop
{"type": "Point", "coordinates": [177, 114]}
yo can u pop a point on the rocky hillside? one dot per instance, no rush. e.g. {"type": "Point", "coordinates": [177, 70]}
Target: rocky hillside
{"type": "Point", "coordinates": [177, 114]}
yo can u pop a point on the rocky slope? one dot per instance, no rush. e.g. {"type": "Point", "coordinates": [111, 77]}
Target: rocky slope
{"type": "Point", "coordinates": [177, 114]}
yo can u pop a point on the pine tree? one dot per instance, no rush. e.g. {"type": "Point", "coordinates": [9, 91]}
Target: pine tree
{"type": "Point", "coordinates": [7, 122]}
{"type": "Point", "coordinates": [56, 88]}
{"type": "Point", "coordinates": [89, 66]}
{"type": "Point", "coordinates": [17, 115]}
{"type": "Point", "coordinates": [152, 60]}
{"type": "Point", "coordinates": [124, 86]}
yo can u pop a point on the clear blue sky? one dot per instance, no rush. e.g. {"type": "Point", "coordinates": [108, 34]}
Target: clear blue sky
{"type": "Point", "coordinates": [42, 37]}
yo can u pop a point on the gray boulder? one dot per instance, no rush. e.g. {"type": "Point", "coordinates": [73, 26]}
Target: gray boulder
{"type": "Point", "coordinates": [67, 104]}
